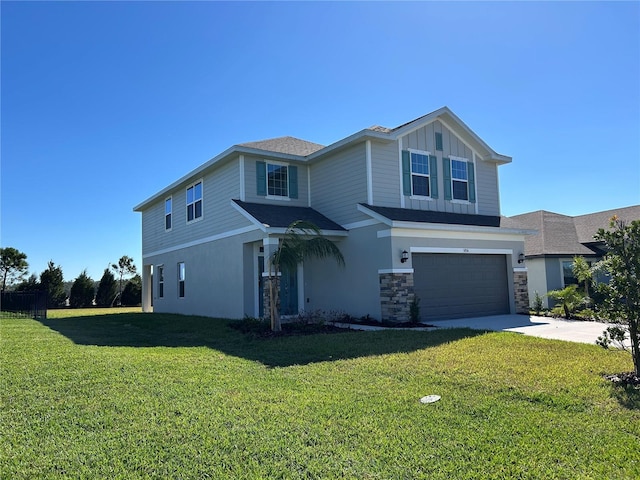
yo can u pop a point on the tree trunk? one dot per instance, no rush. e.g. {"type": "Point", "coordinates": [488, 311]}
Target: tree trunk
{"type": "Point", "coordinates": [274, 311]}
{"type": "Point", "coordinates": [634, 334]}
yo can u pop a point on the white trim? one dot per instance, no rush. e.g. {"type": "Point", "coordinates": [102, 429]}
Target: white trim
{"type": "Point", "coordinates": [256, 280]}
{"type": "Point", "coordinates": [267, 274]}
{"type": "Point", "coordinates": [360, 224]}
{"type": "Point", "coordinates": [270, 241]}
{"type": "Point", "coordinates": [467, 251]}
{"type": "Point", "coordinates": [242, 186]}
{"type": "Point", "coordinates": [451, 234]}
{"type": "Point", "coordinates": [375, 215]}
{"type": "Point", "coordinates": [520, 269]}
{"type": "Point", "coordinates": [248, 216]}
{"type": "Point", "coordinates": [420, 197]}
{"type": "Point", "coordinates": [278, 197]}
{"type": "Point", "coordinates": [475, 183]}
{"type": "Point", "coordinates": [400, 168]}
{"type": "Point", "coordinates": [369, 172]}
{"type": "Point", "coordinates": [395, 270]}
{"type": "Point", "coordinates": [325, 233]}
{"type": "Point", "coordinates": [212, 238]}
{"type": "Point", "coordinates": [308, 186]}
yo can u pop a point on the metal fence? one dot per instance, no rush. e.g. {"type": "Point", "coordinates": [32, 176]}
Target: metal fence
{"type": "Point", "coordinates": [31, 304]}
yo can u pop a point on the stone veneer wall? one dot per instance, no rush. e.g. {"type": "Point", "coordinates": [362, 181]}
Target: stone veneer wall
{"type": "Point", "coordinates": [521, 291]}
{"type": "Point", "coordinates": [267, 297]}
{"type": "Point", "coordinates": [396, 295]}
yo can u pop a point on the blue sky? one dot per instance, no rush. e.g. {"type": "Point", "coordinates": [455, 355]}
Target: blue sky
{"type": "Point", "coordinates": [105, 103]}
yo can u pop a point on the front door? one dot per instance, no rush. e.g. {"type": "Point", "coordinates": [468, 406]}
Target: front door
{"type": "Point", "coordinates": [289, 292]}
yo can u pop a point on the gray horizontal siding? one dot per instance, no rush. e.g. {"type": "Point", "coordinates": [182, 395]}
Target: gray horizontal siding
{"type": "Point", "coordinates": [385, 169]}
{"type": "Point", "coordinates": [218, 216]}
{"type": "Point", "coordinates": [339, 183]}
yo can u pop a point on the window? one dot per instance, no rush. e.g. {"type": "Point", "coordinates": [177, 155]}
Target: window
{"type": "Point", "coordinates": [420, 174]}
{"type": "Point", "coordinates": [459, 179]}
{"type": "Point", "coordinates": [181, 277]}
{"type": "Point", "coordinates": [567, 274]}
{"type": "Point", "coordinates": [160, 281]}
{"type": "Point", "coordinates": [167, 214]}
{"type": "Point", "coordinates": [194, 202]}
{"type": "Point", "coordinates": [277, 180]}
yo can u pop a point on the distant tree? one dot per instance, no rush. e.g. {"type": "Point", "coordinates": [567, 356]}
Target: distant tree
{"type": "Point", "coordinates": [82, 291]}
{"type": "Point", "coordinates": [31, 284]}
{"type": "Point", "coordinates": [107, 289]}
{"type": "Point", "coordinates": [52, 282]}
{"type": "Point", "coordinates": [132, 293]}
{"type": "Point", "coordinates": [622, 294]}
{"type": "Point", "coordinates": [13, 266]}
{"type": "Point", "coordinates": [124, 267]}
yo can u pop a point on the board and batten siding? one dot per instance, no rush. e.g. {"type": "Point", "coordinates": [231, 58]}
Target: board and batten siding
{"type": "Point", "coordinates": [251, 184]}
{"type": "Point", "coordinates": [486, 173]}
{"type": "Point", "coordinates": [218, 215]}
{"type": "Point", "coordinates": [339, 183]}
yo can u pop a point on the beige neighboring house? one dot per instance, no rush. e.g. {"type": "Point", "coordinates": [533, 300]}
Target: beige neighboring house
{"type": "Point", "coordinates": [414, 209]}
{"type": "Point", "coordinates": [559, 238]}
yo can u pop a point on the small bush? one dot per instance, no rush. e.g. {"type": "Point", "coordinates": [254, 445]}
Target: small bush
{"type": "Point", "coordinates": [537, 303]}
{"type": "Point", "coordinates": [414, 310]}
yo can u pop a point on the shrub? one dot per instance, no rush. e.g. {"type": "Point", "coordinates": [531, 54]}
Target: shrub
{"type": "Point", "coordinates": [107, 289]}
{"type": "Point", "coordinates": [414, 310]}
{"type": "Point", "coordinates": [82, 291]}
{"type": "Point", "coordinates": [537, 303]}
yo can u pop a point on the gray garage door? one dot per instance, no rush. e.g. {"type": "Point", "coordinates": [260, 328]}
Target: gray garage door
{"type": "Point", "coordinates": [457, 286]}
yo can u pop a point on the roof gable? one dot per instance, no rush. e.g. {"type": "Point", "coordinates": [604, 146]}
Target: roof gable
{"type": "Point", "coordinates": [565, 235]}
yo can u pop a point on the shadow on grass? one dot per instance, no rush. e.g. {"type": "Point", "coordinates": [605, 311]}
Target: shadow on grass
{"type": "Point", "coordinates": [627, 396]}
{"type": "Point", "coordinates": [168, 330]}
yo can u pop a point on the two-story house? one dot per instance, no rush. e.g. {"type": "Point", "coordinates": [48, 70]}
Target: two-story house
{"type": "Point", "coordinates": [414, 209]}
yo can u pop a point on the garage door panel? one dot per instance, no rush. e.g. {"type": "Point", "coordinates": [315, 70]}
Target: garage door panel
{"type": "Point", "coordinates": [456, 286]}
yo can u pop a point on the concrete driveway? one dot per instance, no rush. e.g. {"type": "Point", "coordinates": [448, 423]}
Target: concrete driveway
{"type": "Point", "coordinates": [544, 327]}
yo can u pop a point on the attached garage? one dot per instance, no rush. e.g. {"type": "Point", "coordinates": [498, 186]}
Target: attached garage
{"type": "Point", "coordinates": [460, 285]}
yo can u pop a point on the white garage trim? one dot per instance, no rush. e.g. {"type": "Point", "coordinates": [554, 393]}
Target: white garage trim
{"type": "Point", "coordinates": [395, 270]}
{"type": "Point", "coordinates": [479, 251]}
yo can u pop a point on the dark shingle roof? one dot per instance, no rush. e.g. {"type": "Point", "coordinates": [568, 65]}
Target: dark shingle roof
{"type": "Point", "coordinates": [283, 215]}
{"type": "Point", "coordinates": [564, 235]}
{"type": "Point", "coordinates": [427, 216]}
{"type": "Point", "coordinates": [289, 145]}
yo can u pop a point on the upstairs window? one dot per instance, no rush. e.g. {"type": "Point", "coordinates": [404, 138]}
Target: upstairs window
{"type": "Point", "coordinates": [194, 202]}
{"type": "Point", "coordinates": [277, 180]}
{"type": "Point", "coordinates": [460, 180]}
{"type": "Point", "coordinates": [167, 213]}
{"type": "Point", "coordinates": [420, 174]}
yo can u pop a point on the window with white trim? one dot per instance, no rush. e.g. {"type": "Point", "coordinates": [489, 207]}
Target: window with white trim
{"type": "Point", "coordinates": [420, 181]}
{"type": "Point", "coordinates": [160, 275]}
{"type": "Point", "coordinates": [459, 180]}
{"type": "Point", "coordinates": [167, 213]}
{"type": "Point", "coordinates": [181, 279]}
{"type": "Point", "coordinates": [194, 202]}
{"type": "Point", "coordinates": [277, 180]}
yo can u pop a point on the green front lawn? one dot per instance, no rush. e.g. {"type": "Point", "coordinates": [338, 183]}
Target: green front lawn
{"type": "Point", "coordinates": [132, 395]}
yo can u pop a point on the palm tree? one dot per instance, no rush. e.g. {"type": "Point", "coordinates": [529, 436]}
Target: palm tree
{"type": "Point", "coordinates": [301, 240]}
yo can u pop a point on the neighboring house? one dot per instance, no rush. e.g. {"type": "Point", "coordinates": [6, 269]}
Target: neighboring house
{"type": "Point", "coordinates": [415, 211]}
{"type": "Point", "coordinates": [559, 238]}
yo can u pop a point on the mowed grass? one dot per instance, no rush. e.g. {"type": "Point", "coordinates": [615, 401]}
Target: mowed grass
{"type": "Point", "coordinates": [134, 395]}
